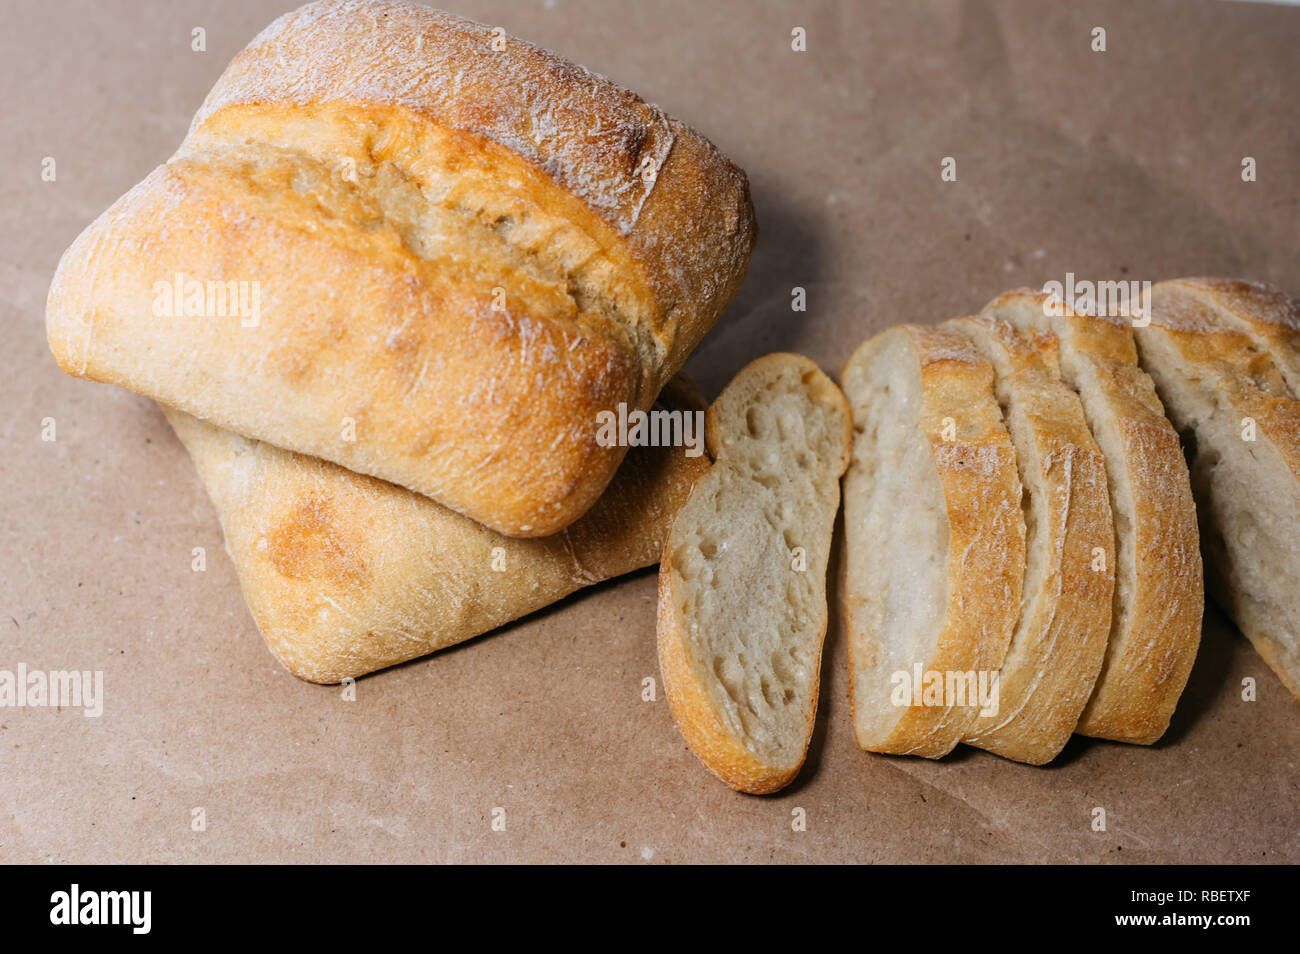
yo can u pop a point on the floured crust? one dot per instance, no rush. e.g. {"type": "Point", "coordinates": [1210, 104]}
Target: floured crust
{"type": "Point", "coordinates": [1159, 594]}
{"type": "Point", "coordinates": [1060, 639]}
{"type": "Point", "coordinates": [1266, 315]}
{"type": "Point", "coordinates": [975, 463]}
{"type": "Point", "coordinates": [468, 253]}
{"type": "Point", "coordinates": [686, 677]}
{"type": "Point", "coordinates": [346, 574]}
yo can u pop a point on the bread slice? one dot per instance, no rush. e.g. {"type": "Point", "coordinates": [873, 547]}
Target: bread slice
{"type": "Point", "coordinates": [1156, 614]}
{"type": "Point", "coordinates": [935, 538]}
{"type": "Point", "coordinates": [1060, 639]}
{"type": "Point", "coordinates": [1231, 399]}
{"type": "Point", "coordinates": [424, 250]}
{"type": "Point", "coordinates": [742, 586]}
{"type": "Point", "coordinates": [346, 574]}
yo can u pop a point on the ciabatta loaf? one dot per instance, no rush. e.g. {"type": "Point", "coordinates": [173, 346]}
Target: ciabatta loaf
{"type": "Point", "coordinates": [935, 539]}
{"type": "Point", "coordinates": [1060, 639]}
{"type": "Point", "coordinates": [419, 248]}
{"type": "Point", "coordinates": [1223, 369]}
{"type": "Point", "coordinates": [742, 586]}
{"type": "Point", "coordinates": [1156, 614]}
{"type": "Point", "coordinates": [346, 574]}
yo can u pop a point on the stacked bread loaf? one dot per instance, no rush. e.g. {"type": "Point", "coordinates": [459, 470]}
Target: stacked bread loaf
{"type": "Point", "coordinates": [460, 251]}
{"type": "Point", "coordinates": [402, 266]}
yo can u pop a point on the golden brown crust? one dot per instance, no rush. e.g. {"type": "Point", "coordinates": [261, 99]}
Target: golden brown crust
{"type": "Point", "coordinates": [1267, 315]}
{"type": "Point", "coordinates": [346, 574]}
{"type": "Point", "coordinates": [1060, 640]}
{"type": "Point", "coordinates": [721, 750]}
{"type": "Point", "coordinates": [976, 467]}
{"type": "Point", "coordinates": [467, 252]}
{"type": "Point", "coordinates": [1156, 618]}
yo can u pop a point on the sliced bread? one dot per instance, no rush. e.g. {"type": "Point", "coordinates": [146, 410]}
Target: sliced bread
{"type": "Point", "coordinates": [1060, 639]}
{"type": "Point", "coordinates": [935, 539]}
{"type": "Point", "coordinates": [1220, 363]}
{"type": "Point", "coordinates": [742, 585]}
{"type": "Point", "coordinates": [1158, 601]}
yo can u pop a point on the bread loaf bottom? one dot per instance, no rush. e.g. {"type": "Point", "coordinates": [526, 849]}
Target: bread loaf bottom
{"type": "Point", "coordinates": [346, 574]}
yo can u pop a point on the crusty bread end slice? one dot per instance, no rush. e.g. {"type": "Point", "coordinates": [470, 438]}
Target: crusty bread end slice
{"type": "Point", "coordinates": [742, 586]}
{"type": "Point", "coordinates": [1219, 361]}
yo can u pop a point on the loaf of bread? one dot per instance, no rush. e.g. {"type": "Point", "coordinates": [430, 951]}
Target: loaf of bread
{"type": "Point", "coordinates": [935, 539]}
{"type": "Point", "coordinates": [1223, 358]}
{"type": "Point", "coordinates": [1155, 624]}
{"type": "Point", "coordinates": [419, 248]}
{"type": "Point", "coordinates": [1057, 647]}
{"type": "Point", "coordinates": [346, 574]}
{"type": "Point", "coordinates": [742, 585]}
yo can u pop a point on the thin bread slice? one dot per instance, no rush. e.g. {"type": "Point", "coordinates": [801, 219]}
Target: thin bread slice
{"type": "Point", "coordinates": [1060, 640]}
{"type": "Point", "coordinates": [935, 539]}
{"type": "Point", "coordinates": [742, 586]}
{"type": "Point", "coordinates": [346, 574]}
{"type": "Point", "coordinates": [1241, 422]}
{"type": "Point", "coordinates": [1159, 598]}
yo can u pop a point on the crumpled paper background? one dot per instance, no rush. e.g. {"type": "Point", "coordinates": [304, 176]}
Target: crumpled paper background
{"type": "Point", "coordinates": [1122, 164]}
